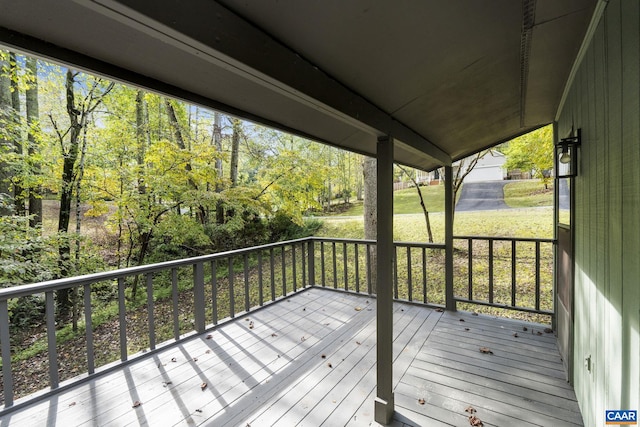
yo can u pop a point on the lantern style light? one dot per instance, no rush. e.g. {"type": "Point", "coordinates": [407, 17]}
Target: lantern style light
{"type": "Point", "coordinates": [567, 156]}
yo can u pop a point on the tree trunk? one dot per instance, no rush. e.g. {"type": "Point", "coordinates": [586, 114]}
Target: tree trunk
{"type": "Point", "coordinates": [371, 215]}
{"type": "Point", "coordinates": [217, 140]}
{"type": "Point", "coordinates": [5, 120]}
{"type": "Point", "coordinates": [18, 191]}
{"type": "Point", "coordinates": [142, 138]}
{"type": "Point", "coordinates": [235, 147]}
{"type": "Point", "coordinates": [33, 120]}
{"type": "Point", "coordinates": [422, 205]}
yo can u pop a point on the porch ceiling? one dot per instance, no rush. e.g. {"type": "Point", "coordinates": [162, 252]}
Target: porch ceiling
{"type": "Point", "coordinates": [446, 79]}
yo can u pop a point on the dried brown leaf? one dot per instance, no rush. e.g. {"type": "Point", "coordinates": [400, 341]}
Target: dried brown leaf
{"type": "Point", "coordinates": [274, 334]}
{"type": "Point", "coordinates": [72, 404]}
{"type": "Point", "coordinates": [524, 328]}
{"type": "Point", "coordinates": [475, 421]}
{"type": "Point", "coordinates": [474, 313]}
{"type": "Point", "coordinates": [358, 309]}
{"type": "Point", "coordinates": [538, 333]}
{"type": "Point", "coordinates": [136, 404]}
{"type": "Point", "coordinates": [470, 409]}
{"type": "Point", "coordinates": [208, 351]}
{"type": "Point", "coordinates": [330, 365]}
{"type": "Point", "coordinates": [358, 342]}
{"type": "Point", "coordinates": [324, 356]}
{"type": "Point", "coordinates": [439, 310]}
{"type": "Point", "coordinates": [548, 330]}
{"type": "Point", "coordinates": [173, 359]}
{"type": "Point", "coordinates": [303, 339]}
{"type": "Point", "coordinates": [515, 334]}
{"type": "Point", "coordinates": [421, 401]}
{"type": "Point", "coordinates": [467, 329]}
{"type": "Point", "coordinates": [195, 359]}
{"type": "Point", "coordinates": [203, 386]}
{"type": "Point", "coordinates": [251, 325]}
{"type": "Point", "coordinates": [462, 320]}
{"type": "Point", "coordinates": [199, 410]}
{"type": "Point", "coordinates": [209, 336]}
{"type": "Point", "coordinates": [485, 350]}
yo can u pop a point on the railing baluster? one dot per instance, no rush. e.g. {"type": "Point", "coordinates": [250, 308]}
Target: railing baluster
{"type": "Point", "coordinates": [369, 284]}
{"type": "Point", "coordinates": [322, 267]}
{"type": "Point", "coordinates": [335, 266]}
{"type": "Point", "coordinates": [395, 271]}
{"type": "Point", "coordinates": [214, 290]}
{"type": "Point", "coordinates": [409, 281]}
{"type": "Point", "coordinates": [260, 281]}
{"type": "Point", "coordinates": [311, 256]}
{"type": "Point", "coordinates": [89, 329]}
{"type": "Point", "coordinates": [150, 313]}
{"type": "Point", "coordinates": [198, 297]}
{"type": "Point", "coordinates": [5, 348]}
{"type": "Point", "coordinates": [303, 263]}
{"type": "Point", "coordinates": [470, 268]}
{"type": "Point", "coordinates": [357, 266]}
{"type": "Point", "coordinates": [51, 339]}
{"type": "Point", "coordinates": [344, 266]}
{"type": "Point", "coordinates": [175, 303]}
{"type": "Point", "coordinates": [491, 271]}
{"type": "Point", "coordinates": [424, 275]}
{"type": "Point", "coordinates": [247, 303]}
{"type": "Point", "coordinates": [122, 319]}
{"type": "Point", "coordinates": [232, 302]}
{"type": "Point", "coordinates": [293, 267]}
{"type": "Point", "coordinates": [537, 275]}
{"type": "Point", "coordinates": [284, 272]}
{"type": "Point", "coordinates": [273, 275]}
{"type": "Point", "coordinates": [513, 273]}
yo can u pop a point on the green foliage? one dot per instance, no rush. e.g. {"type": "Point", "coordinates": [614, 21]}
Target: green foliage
{"type": "Point", "coordinates": [533, 151]}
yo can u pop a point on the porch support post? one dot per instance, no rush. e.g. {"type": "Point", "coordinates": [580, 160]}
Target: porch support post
{"type": "Point", "coordinates": [449, 204]}
{"type": "Point", "coordinates": [384, 403]}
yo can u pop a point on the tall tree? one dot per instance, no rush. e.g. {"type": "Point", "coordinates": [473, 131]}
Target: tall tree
{"type": "Point", "coordinates": [5, 131]}
{"type": "Point", "coordinates": [235, 151]}
{"type": "Point", "coordinates": [18, 191]}
{"type": "Point", "coordinates": [33, 130]}
{"type": "Point", "coordinates": [532, 151]}
{"type": "Point", "coordinates": [217, 141]}
{"type": "Point", "coordinates": [425, 212]}
{"type": "Point", "coordinates": [70, 140]}
{"type": "Point", "coordinates": [369, 169]}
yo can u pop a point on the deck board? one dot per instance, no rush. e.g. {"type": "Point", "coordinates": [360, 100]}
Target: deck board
{"type": "Point", "coordinates": [267, 368]}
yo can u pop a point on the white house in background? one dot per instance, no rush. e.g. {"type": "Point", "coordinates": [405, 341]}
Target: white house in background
{"type": "Point", "coordinates": [489, 168]}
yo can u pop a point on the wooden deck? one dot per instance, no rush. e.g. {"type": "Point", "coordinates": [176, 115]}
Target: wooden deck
{"type": "Point", "coordinates": [309, 360]}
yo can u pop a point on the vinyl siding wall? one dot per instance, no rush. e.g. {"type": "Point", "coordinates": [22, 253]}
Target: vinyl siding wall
{"type": "Point", "coordinates": [604, 101]}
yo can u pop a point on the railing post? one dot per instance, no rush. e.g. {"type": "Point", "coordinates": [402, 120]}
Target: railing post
{"type": "Point", "coordinates": [50, 313]}
{"type": "Point", "coordinates": [5, 348]}
{"type": "Point", "coordinates": [311, 259]}
{"type": "Point", "coordinates": [450, 302]}
{"type": "Point", "coordinates": [198, 297]}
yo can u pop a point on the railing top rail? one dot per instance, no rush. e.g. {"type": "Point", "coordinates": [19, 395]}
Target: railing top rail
{"type": "Point", "coordinates": [68, 282]}
{"type": "Point", "coordinates": [507, 239]}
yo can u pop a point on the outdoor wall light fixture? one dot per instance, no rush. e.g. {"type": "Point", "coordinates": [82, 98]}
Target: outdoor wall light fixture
{"type": "Point", "coordinates": [567, 156]}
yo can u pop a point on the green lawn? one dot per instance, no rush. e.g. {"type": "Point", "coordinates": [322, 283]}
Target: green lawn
{"type": "Point", "coordinates": [517, 194]}
{"type": "Point", "coordinates": [535, 222]}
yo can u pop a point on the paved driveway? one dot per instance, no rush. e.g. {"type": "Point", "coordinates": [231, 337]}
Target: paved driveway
{"type": "Point", "coordinates": [482, 196]}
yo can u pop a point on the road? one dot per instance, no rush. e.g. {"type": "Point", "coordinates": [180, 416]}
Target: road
{"type": "Point", "coordinates": [482, 196]}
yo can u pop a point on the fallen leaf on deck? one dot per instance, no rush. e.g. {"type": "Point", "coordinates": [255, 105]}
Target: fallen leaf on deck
{"type": "Point", "coordinates": [548, 330]}
{"type": "Point", "coordinates": [421, 401]}
{"type": "Point", "coordinates": [470, 409]}
{"type": "Point", "coordinates": [462, 320]}
{"type": "Point", "coordinates": [324, 356]}
{"type": "Point", "coordinates": [474, 313]}
{"type": "Point", "coordinates": [524, 328]}
{"type": "Point", "coordinates": [304, 309]}
{"type": "Point", "coordinates": [173, 359]}
{"type": "Point", "coordinates": [538, 332]}
{"type": "Point", "coordinates": [358, 309]}
{"type": "Point", "coordinates": [72, 404]}
{"type": "Point", "coordinates": [199, 410]}
{"type": "Point", "coordinates": [251, 325]}
{"type": "Point", "coordinates": [330, 365]}
{"type": "Point", "coordinates": [439, 310]}
{"type": "Point", "coordinates": [246, 319]}
{"type": "Point", "coordinates": [303, 339]}
{"type": "Point", "coordinates": [136, 404]}
{"type": "Point", "coordinates": [208, 351]}
{"type": "Point", "coordinates": [358, 342]}
{"type": "Point", "coordinates": [203, 386]}
{"type": "Point", "coordinates": [166, 383]}
{"type": "Point", "coordinates": [209, 336]}
{"type": "Point", "coordinates": [274, 335]}
{"type": "Point", "coordinates": [475, 421]}
{"type": "Point", "coordinates": [485, 350]}
{"type": "Point", "coordinates": [515, 334]}
{"type": "Point", "coordinates": [467, 329]}
{"type": "Point", "coordinates": [195, 359]}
